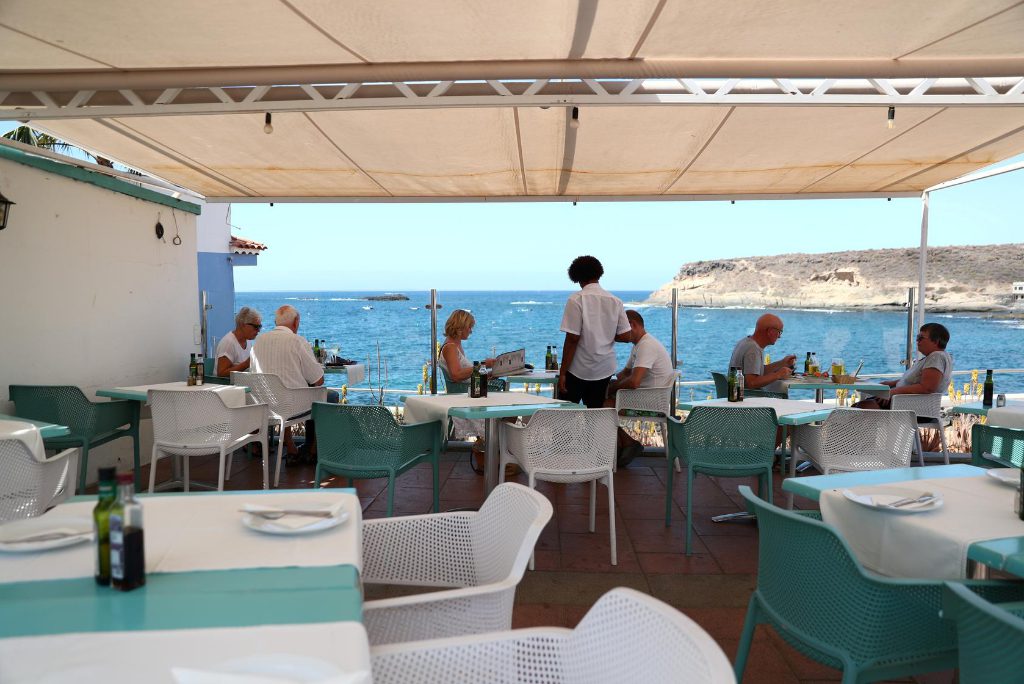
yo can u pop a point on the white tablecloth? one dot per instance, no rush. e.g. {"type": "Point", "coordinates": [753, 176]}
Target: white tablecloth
{"type": "Point", "coordinates": [930, 544]}
{"type": "Point", "coordinates": [422, 408]}
{"type": "Point", "coordinates": [148, 656]}
{"type": "Point", "coordinates": [782, 407]}
{"type": "Point", "coordinates": [232, 396]}
{"type": "Point", "coordinates": [1010, 416]}
{"type": "Point", "coordinates": [205, 532]}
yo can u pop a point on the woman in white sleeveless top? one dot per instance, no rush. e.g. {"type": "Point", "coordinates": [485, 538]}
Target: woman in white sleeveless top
{"type": "Point", "coordinates": [457, 366]}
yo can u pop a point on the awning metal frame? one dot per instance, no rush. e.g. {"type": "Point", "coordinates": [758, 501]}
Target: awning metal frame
{"type": "Point", "coordinates": [37, 104]}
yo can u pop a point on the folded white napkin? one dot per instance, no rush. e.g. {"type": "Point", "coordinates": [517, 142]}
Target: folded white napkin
{"type": "Point", "coordinates": [296, 522]}
{"type": "Point", "coordinates": [885, 501]}
{"type": "Point", "coordinates": [183, 675]}
{"type": "Point", "coordinates": [356, 373]}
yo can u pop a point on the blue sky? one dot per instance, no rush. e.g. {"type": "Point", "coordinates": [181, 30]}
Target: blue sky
{"type": "Point", "coordinates": [518, 246]}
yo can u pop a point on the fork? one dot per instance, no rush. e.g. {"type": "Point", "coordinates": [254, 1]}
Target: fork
{"type": "Point", "coordinates": [924, 498]}
{"type": "Point", "coordinates": [276, 514]}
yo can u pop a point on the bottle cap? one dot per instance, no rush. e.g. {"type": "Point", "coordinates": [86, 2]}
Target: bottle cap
{"type": "Point", "coordinates": [107, 474]}
{"type": "Point", "coordinates": [125, 478]}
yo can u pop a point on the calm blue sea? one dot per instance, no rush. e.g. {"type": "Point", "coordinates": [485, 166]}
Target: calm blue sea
{"type": "Point", "coordinates": [530, 319]}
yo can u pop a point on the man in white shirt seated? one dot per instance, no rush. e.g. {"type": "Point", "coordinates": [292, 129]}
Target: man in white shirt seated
{"type": "Point", "coordinates": [233, 349]}
{"type": "Point", "coordinates": [284, 353]}
{"type": "Point", "coordinates": [593, 321]}
{"type": "Point", "coordinates": [648, 366]}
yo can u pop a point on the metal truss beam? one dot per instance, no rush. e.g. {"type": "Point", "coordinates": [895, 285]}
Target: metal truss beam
{"type": "Point", "coordinates": [38, 105]}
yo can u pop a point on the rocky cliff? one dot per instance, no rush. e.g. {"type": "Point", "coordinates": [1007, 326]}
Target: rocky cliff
{"type": "Point", "coordinates": [969, 278]}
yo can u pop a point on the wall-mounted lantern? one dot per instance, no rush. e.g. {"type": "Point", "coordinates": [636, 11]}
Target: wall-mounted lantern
{"type": "Point", "coordinates": [5, 210]}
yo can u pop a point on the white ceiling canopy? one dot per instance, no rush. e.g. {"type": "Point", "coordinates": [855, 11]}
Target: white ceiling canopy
{"type": "Point", "coordinates": [462, 100]}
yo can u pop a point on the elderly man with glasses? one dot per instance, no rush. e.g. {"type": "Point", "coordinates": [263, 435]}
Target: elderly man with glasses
{"type": "Point", "coordinates": [930, 374]}
{"type": "Point", "coordinates": [233, 350]}
{"type": "Point", "coordinates": [748, 356]}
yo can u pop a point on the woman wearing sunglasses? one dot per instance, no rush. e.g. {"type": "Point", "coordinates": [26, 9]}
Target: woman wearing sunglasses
{"type": "Point", "coordinates": [929, 374]}
{"type": "Point", "coordinates": [233, 349]}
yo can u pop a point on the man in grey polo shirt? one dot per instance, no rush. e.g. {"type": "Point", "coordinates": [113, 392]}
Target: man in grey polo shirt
{"type": "Point", "coordinates": [593, 321]}
{"type": "Point", "coordinates": [748, 356]}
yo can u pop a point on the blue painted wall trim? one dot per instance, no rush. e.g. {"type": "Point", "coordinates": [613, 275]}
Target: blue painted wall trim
{"type": "Point", "coordinates": [217, 278]}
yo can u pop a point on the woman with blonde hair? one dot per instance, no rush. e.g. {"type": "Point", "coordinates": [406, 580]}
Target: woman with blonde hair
{"type": "Point", "coordinates": [457, 368]}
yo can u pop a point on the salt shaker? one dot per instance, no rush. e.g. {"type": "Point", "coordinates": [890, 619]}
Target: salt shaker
{"type": "Point", "coordinates": [1000, 400]}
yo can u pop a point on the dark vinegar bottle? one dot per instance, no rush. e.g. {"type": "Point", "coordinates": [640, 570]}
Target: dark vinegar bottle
{"type": "Point", "coordinates": [127, 550]}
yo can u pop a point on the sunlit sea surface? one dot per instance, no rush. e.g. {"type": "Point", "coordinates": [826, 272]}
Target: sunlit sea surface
{"type": "Point", "coordinates": [530, 319]}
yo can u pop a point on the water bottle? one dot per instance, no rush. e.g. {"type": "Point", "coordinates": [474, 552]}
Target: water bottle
{"type": "Point", "coordinates": [740, 382]}
{"type": "Point", "coordinates": [732, 394]}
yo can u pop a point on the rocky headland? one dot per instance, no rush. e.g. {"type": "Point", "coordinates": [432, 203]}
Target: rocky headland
{"type": "Point", "coordinates": [392, 297]}
{"type": "Point", "coordinates": [960, 279]}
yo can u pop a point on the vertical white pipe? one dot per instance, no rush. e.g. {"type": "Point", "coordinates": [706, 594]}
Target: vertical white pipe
{"type": "Point", "coordinates": [433, 341]}
{"type": "Point", "coordinates": [675, 346]}
{"type": "Point", "coordinates": [922, 264]}
{"type": "Point", "coordinates": [908, 357]}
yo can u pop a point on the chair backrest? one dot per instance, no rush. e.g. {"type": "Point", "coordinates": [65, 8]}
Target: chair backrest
{"type": "Point", "coordinates": [266, 388]}
{"type": "Point", "coordinates": [175, 412]}
{"type": "Point", "coordinates": [1005, 444]}
{"type": "Point", "coordinates": [721, 385]}
{"type": "Point", "coordinates": [505, 531]}
{"type": "Point", "coordinates": [630, 636]}
{"type": "Point", "coordinates": [923, 405]}
{"type": "Point", "coordinates": [867, 439]}
{"type": "Point", "coordinates": [354, 433]}
{"type": "Point", "coordinates": [60, 404]}
{"type": "Point", "coordinates": [725, 436]}
{"type": "Point", "coordinates": [808, 578]}
{"type": "Point", "coordinates": [23, 490]}
{"type": "Point", "coordinates": [571, 439]}
{"type": "Point", "coordinates": [650, 399]}
{"type": "Point", "coordinates": [990, 639]}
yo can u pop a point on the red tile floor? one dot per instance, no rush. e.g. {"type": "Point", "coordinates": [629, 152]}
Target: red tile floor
{"type": "Point", "coordinates": [573, 566]}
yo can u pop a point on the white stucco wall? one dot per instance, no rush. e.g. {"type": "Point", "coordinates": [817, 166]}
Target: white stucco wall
{"type": "Point", "coordinates": [90, 296]}
{"type": "Point", "coordinates": [214, 228]}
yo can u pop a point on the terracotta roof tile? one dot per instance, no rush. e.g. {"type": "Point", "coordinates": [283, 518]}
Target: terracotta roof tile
{"type": "Point", "coordinates": [241, 245]}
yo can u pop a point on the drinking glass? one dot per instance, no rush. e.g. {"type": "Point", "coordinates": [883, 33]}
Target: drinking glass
{"type": "Point", "coordinates": [838, 367]}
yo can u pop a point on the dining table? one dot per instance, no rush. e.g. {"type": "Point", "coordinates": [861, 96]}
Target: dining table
{"type": "Point", "coordinates": [1011, 415]}
{"type": "Point", "coordinates": [211, 574]}
{"type": "Point", "coordinates": [819, 385]}
{"type": "Point", "coordinates": [973, 529]}
{"type": "Point", "coordinates": [232, 395]}
{"type": "Point", "coordinates": [490, 409]}
{"type": "Point", "coordinates": [46, 430]}
{"type": "Point", "coordinates": [789, 413]}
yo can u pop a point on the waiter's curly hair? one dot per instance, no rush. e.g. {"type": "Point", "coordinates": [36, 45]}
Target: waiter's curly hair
{"type": "Point", "coordinates": [585, 268]}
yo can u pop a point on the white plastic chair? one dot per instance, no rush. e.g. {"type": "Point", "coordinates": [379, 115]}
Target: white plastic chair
{"type": "Point", "coordinates": [287, 406]}
{"type": "Point", "coordinates": [859, 439]}
{"type": "Point", "coordinates": [482, 555]}
{"type": "Point", "coordinates": [626, 637]}
{"type": "Point", "coordinates": [566, 445]}
{"type": "Point", "coordinates": [199, 424]}
{"type": "Point", "coordinates": [928, 408]}
{"type": "Point", "coordinates": [655, 403]}
{"type": "Point", "coordinates": [31, 483]}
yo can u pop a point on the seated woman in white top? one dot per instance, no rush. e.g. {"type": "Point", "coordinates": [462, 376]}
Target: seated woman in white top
{"type": "Point", "coordinates": [929, 375]}
{"type": "Point", "coordinates": [457, 367]}
{"type": "Point", "coordinates": [233, 349]}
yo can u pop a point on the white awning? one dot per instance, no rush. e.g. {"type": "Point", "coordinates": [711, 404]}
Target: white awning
{"type": "Point", "coordinates": [456, 100]}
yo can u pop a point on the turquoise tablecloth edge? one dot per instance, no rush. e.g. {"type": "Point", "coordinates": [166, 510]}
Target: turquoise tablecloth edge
{"type": "Point", "coordinates": [233, 492]}
{"type": "Point", "coordinates": [184, 600]}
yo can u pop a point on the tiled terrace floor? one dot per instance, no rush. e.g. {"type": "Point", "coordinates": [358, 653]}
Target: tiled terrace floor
{"type": "Point", "coordinates": [573, 566]}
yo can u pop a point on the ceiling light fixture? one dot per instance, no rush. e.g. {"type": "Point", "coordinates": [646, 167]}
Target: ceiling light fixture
{"type": "Point", "coordinates": [891, 120]}
{"type": "Point", "coordinates": [574, 121]}
{"type": "Point", "coordinates": [268, 127]}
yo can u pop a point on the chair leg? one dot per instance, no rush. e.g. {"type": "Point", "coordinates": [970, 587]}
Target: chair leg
{"type": "Point", "coordinates": [152, 468]}
{"type": "Point", "coordinates": [668, 491]}
{"type": "Point", "coordinates": [231, 462]}
{"type": "Point", "coordinates": [391, 494]}
{"type": "Point", "coordinates": [83, 466]}
{"type": "Point", "coordinates": [593, 503]}
{"type": "Point", "coordinates": [224, 461]}
{"type": "Point", "coordinates": [919, 447]}
{"type": "Point", "coordinates": [435, 466]}
{"type": "Point", "coordinates": [266, 461]}
{"type": "Point", "coordinates": [689, 507]}
{"type": "Point", "coordinates": [317, 481]}
{"type": "Point", "coordinates": [611, 516]}
{"type": "Point", "coordinates": [533, 485]}
{"type": "Point", "coordinates": [280, 455]}
{"type": "Point", "coordinates": [942, 439]}
{"type": "Point", "coordinates": [134, 434]}
{"type": "Point", "coordinates": [767, 490]}
{"type": "Point", "coordinates": [746, 639]}
{"type": "Point", "coordinates": [188, 479]}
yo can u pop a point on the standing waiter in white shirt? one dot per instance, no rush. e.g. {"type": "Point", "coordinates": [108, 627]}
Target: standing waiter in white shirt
{"type": "Point", "coordinates": [593, 321]}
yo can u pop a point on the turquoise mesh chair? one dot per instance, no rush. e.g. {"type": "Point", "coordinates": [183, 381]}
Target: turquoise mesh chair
{"type": "Point", "coordinates": [815, 594]}
{"type": "Point", "coordinates": [360, 442]}
{"type": "Point", "coordinates": [210, 373]}
{"type": "Point", "coordinates": [996, 447]}
{"type": "Point", "coordinates": [990, 637]}
{"type": "Point", "coordinates": [722, 389]}
{"type": "Point", "coordinates": [92, 423]}
{"type": "Point", "coordinates": [725, 442]}
{"type": "Point", "coordinates": [452, 387]}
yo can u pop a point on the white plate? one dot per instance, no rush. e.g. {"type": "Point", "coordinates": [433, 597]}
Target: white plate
{"type": "Point", "coordinates": [880, 499]}
{"type": "Point", "coordinates": [260, 524]}
{"type": "Point", "coordinates": [1008, 476]}
{"type": "Point", "coordinates": [78, 529]}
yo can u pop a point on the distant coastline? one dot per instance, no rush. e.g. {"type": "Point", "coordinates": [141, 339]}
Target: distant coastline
{"type": "Point", "coordinates": [964, 279]}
